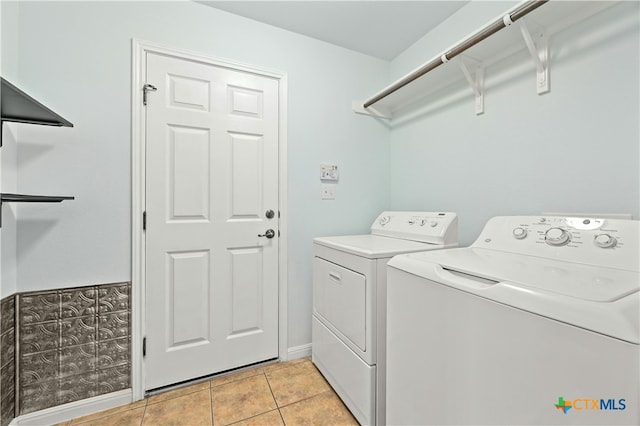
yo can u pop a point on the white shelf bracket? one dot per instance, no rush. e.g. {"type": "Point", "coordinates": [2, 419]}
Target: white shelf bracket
{"type": "Point", "coordinates": [358, 108]}
{"type": "Point", "coordinates": [539, 50]}
{"type": "Point", "coordinates": [475, 79]}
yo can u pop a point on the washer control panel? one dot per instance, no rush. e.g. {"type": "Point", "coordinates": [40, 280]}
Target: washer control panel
{"type": "Point", "coordinates": [428, 227]}
{"type": "Point", "coordinates": [604, 242]}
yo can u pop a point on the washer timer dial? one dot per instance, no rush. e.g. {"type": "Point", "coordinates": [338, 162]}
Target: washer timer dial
{"type": "Point", "coordinates": [557, 237]}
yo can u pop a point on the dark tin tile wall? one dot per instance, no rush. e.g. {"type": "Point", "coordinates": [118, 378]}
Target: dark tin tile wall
{"type": "Point", "coordinates": [73, 344]}
{"type": "Point", "coordinates": [7, 360]}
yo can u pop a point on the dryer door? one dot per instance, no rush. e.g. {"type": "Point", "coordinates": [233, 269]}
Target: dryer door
{"type": "Point", "coordinates": [340, 299]}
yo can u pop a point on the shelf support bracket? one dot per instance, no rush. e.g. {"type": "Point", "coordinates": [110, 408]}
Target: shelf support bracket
{"type": "Point", "coordinates": [359, 108]}
{"type": "Point", "coordinates": [475, 79]}
{"type": "Point", "coordinates": [539, 50]}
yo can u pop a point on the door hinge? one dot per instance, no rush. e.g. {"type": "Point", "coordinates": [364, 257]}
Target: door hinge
{"type": "Point", "coordinates": [144, 220]}
{"type": "Point", "coordinates": [144, 346]}
{"type": "Point", "coordinates": [146, 89]}
{"type": "Point", "coordinates": [278, 233]}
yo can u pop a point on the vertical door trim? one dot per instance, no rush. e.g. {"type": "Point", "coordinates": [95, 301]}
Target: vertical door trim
{"type": "Point", "coordinates": [138, 183]}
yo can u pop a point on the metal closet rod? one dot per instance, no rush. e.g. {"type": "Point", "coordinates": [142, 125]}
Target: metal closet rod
{"type": "Point", "coordinates": [455, 51]}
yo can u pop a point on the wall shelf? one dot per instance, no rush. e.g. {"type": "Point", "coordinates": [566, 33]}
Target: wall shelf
{"type": "Point", "coordinates": [19, 107]}
{"type": "Point", "coordinates": [527, 26]}
{"type": "Point", "coordinates": [24, 198]}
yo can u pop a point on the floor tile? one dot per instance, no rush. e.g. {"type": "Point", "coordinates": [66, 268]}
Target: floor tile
{"type": "Point", "coordinates": [222, 380]}
{"type": "Point", "coordinates": [296, 382]}
{"type": "Point", "coordinates": [190, 409]}
{"type": "Point", "coordinates": [178, 392]}
{"type": "Point", "coordinates": [323, 409]}
{"type": "Point", "coordinates": [124, 418]}
{"type": "Point", "coordinates": [241, 399]}
{"type": "Point", "coordinates": [272, 418]}
{"type": "Point", "coordinates": [109, 412]}
{"type": "Point", "coordinates": [249, 397]}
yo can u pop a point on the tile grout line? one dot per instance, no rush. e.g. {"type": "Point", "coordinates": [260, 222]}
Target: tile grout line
{"type": "Point", "coordinates": [233, 381]}
{"type": "Point", "coordinates": [271, 390]}
{"type": "Point", "coordinates": [211, 401]}
{"type": "Point", "coordinates": [176, 396]}
{"type": "Point", "coordinates": [254, 416]}
{"type": "Point", "coordinates": [74, 422]}
{"type": "Point", "coordinates": [274, 398]}
{"type": "Point", "coordinates": [330, 390]}
{"type": "Point", "coordinates": [309, 397]}
{"type": "Point", "coordinates": [144, 412]}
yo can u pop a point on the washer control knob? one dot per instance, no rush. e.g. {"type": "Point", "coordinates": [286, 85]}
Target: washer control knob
{"type": "Point", "coordinates": [557, 237]}
{"type": "Point", "coordinates": [519, 233]}
{"type": "Point", "coordinates": [433, 223]}
{"type": "Point", "coordinates": [605, 240]}
{"type": "Point", "coordinates": [422, 222]}
{"type": "Point", "coordinates": [384, 220]}
{"type": "Point", "coordinates": [411, 221]}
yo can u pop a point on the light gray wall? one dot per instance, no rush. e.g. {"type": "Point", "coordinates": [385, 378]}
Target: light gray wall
{"type": "Point", "coordinates": [76, 57]}
{"type": "Point", "coordinates": [8, 152]}
{"type": "Point", "coordinates": [575, 149]}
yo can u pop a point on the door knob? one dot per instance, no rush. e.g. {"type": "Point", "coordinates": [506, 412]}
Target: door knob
{"type": "Point", "coordinates": [270, 233]}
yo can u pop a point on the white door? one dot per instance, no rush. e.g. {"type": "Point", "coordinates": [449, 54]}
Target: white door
{"type": "Point", "coordinates": [211, 178]}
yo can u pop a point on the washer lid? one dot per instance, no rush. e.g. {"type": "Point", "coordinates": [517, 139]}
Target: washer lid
{"type": "Point", "coordinates": [576, 280]}
{"type": "Point", "coordinates": [603, 300]}
{"type": "Point", "coordinates": [374, 246]}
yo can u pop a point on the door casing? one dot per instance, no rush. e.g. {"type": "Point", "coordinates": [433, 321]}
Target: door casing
{"type": "Point", "coordinates": [138, 200]}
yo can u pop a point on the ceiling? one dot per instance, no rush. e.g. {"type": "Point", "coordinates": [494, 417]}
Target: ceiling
{"type": "Point", "coordinates": [382, 29]}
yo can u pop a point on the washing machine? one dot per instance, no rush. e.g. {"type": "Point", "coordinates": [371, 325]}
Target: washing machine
{"type": "Point", "coordinates": [536, 323]}
{"type": "Point", "coordinates": [349, 302]}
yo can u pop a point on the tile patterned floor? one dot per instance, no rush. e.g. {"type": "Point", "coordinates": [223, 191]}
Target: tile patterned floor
{"type": "Point", "coordinates": [290, 393]}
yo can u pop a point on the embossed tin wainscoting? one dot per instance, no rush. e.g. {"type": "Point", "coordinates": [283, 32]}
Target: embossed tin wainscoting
{"type": "Point", "coordinates": [72, 344]}
{"type": "Point", "coordinates": [7, 360]}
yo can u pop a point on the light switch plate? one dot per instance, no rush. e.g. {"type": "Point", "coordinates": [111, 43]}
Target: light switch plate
{"type": "Point", "coordinates": [328, 191]}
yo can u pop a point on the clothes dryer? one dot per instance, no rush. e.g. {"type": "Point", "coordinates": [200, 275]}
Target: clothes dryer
{"type": "Point", "coordinates": [349, 302]}
{"type": "Point", "coordinates": [537, 323]}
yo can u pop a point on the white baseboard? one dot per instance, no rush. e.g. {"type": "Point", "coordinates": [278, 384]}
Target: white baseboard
{"type": "Point", "coordinates": [299, 352]}
{"type": "Point", "coordinates": [61, 413]}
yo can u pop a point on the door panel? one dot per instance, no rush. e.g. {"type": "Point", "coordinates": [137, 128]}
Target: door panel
{"type": "Point", "coordinates": [211, 173]}
{"type": "Point", "coordinates": [187, 286]}
{"type": "Point", "coordinates": [247, 290]}
{"type": "Point", "coordinates": [246, 181]}
{"type": "Point", "coordinates": [189, 173]}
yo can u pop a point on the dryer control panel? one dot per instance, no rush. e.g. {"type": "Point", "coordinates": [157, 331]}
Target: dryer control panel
{"type": "Point", "coordinates": [428, 227]}
{"type": "Point", "coordinates": [612, 243]}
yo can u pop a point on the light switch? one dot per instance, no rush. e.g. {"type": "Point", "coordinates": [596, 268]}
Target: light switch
{"type": "Point", "coordinates": [328, 191]}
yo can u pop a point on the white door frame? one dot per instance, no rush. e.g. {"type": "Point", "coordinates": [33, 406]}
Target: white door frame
{"type": "Point", "coordinates": [138, 201]}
